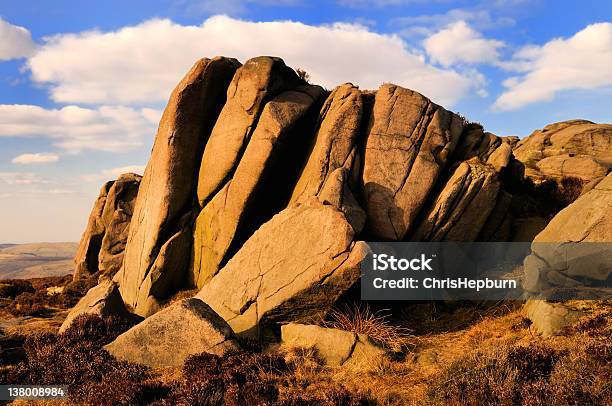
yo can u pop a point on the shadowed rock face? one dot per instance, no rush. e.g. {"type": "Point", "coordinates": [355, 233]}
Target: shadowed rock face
{"type": "Point", "coordinates": [409, 141]}
{"type": "Point", "coordinates": [158, 247]}
{"type": "Point", "coordinates": [103, 243]}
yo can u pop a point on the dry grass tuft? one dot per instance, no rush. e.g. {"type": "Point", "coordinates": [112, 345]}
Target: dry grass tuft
{"type": "Point", "coordinates": [376, 324]}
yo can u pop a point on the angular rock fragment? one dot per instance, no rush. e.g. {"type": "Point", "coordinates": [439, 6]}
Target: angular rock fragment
{"type": "Point", "coordinates": [165, 200]}
{"type": "Point", "coordinates": [102, 300]}
{"type": "Point", "coordinates": [292, 269]}
{"type": "Point", "coordinates": [408, 144]}
{"type": "Point", "coordinates": [166, 339]}
{"type": "Point", "coordinates": [230, 210]}
{"type": "Point", "coordinates": [462, 207]}
{"type": "Point", "coordinates": [549, 318]}
{"type": "Point", "coordinates": [335, 347]}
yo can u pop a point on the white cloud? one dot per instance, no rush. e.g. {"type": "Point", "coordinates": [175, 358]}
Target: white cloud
{"type": "Point", "coordinates": [142, 63]}
{"type": "Point", "coordinates": [113, 173]}
{"type": "Point", "coordinates": [38, 158]}
{"type": "Point", "coordinates": [15, 42]}
{"type": "Point", "coordinates": [74, 129]}
{"type": "Point", "coordinates": [21, 178]}
{"type": "Point", "coordinates": [581, 62]}
{"type": "Point", "coordinates": [461, 44]}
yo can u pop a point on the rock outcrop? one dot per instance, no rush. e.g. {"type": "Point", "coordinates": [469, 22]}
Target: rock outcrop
{"type": "Point", "coordinates": [335, 347]}
{"type": "Point", "coordinates": [102, 245]}
{"type": "Point", "coordinates": [166, 339]}
{"type": "Point", "coordinates": [159, 242]}
{"type": "Point", "coordinates": [292, 269]}
{"type": "Point", "coordinates": [576, 148]}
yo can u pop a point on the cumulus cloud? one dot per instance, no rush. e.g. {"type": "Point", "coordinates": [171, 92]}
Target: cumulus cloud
{"type": "Point", "coordinates": [21, 178]}
{"type": "Point", "coordinates": [461, 44]}
{"type": "Point", "coordinates": [581, 62]}
{"type": "Point", "coordinates": [37, 158]}
{"type": "Point", "coordinates": [74, 129]}
{"type": "Point", "coordinates": [141, 64]}
{"type": "Point", "coordinates": [15, 41]}
{"type": "Point", "coordinates": [113, 173]}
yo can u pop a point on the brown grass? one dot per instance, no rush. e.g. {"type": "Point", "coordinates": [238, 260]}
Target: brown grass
{"type": "Point", "coordinates": [376, 324]}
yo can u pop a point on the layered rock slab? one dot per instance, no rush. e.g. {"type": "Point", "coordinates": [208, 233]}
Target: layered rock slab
{"type": "Point", "coordinates": [409, 141]}
{"type": "Point", "coordinates": [292, 269]}
{"type": "Point", "coordinates": [165, 201]}
{"type": "Point", "coordinates": [102, 245]}
{"type": "Point", "coordinates": [462, 207]}
{"type": "Point", "coordinates": [219, 222]}
{"type": "Point", "coordinates": [166, 339]}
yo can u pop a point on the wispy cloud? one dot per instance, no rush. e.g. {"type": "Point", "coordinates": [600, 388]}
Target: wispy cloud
{"type": "Point", "coordinates": [74, 129]}
{"type": "Point", "coordinates": [37, 158]}
{"type": "Point", "coordinates": [21, 178]}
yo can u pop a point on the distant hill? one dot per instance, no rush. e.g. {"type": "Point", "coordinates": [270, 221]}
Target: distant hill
{"type": "Point", "coordinates": [22, 261]}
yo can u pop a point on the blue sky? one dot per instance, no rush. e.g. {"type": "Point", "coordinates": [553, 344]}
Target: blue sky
{"type": "Point", "coordinates": [83, 83]}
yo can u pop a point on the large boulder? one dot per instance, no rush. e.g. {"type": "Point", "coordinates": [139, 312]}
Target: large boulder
{"type": "Point", "coordinates": [461, 209]}
{"type": "Point", "coordinates": [574, 141]}
{"type": "Point", "coordinates": [577, 234]}
{"type": "Point", "coordinates": [166, 339]}
{"type": "Point", "coordinates": [224, 220]}
{"type": "Point", "coordinates": [551, 318]}
{"type": "Point", "coordinates": [164, 205]}
{"type": "Point", "coordinates": [102, 245]}
{"type": "Point", "coordinates": [335, 347]}
{"type": "Point", "coordinates": [409, 141]}
{"type": "Point", "coordinates": [292, 269]}
{"type": "Point", "coordinates": [103, 300]}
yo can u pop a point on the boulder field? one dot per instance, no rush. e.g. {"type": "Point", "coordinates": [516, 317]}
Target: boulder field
{"type": "Point", "coordinates": [262, 188]}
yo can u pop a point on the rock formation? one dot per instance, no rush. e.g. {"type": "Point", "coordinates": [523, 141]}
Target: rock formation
{"type": "Point", "coordinates": [103, 243]}
{"type": "Point", "coordinates": [261, 189]}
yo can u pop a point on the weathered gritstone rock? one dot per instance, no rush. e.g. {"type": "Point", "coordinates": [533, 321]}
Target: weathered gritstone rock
{"type": "Point", "coordinates": [221, 219]}
{"type": "Point", "coordinates": [335, 347]}
{"type": "Point", "coordinates": [587, 220]}
{"type": "Point", "coordinates": [255, 83]}
{"type": "Point", "coordinates": [551, 319]}
{"type": "Point", "coordinates": [166, 339]}
{"type": "Point", "coordinates": [292, 269]}
{"type": "Point", "coordinates": [103, 243]}
{"type": "Point", "coordinates": [86, 258]}
{"type": "Point", "coordinates": [116, 217]}
{"type": "Point", "coordinates": [164, 204]}
{"type": "Point", "coordinates": [334, 144]}
{"type": "Point", "coordinates": [336, 192]}
{"type": "Point", "coordinates": [583, 167]}
{"type": "Point", "coordinates": [463, 206]}
{"type": "Point", "coordinates": [573, 138]}
{"type": "Point", "coordinates": [103, 300]}
{"type": "Point", "coordinates": [408, 144]}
